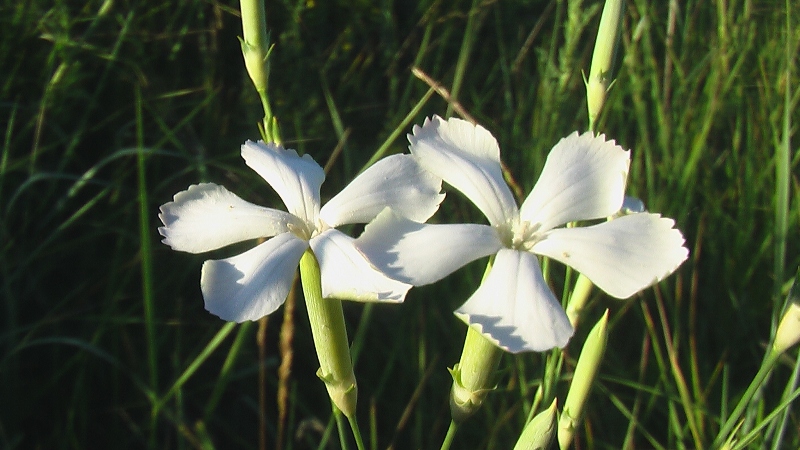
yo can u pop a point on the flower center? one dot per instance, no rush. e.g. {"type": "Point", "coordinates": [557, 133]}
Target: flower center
{"type": "Point", "coordinates": [523, 235]}
{"type": "Point", "coordinates": [307, 230]}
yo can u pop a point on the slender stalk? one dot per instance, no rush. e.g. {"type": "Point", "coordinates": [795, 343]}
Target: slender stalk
{"type": "Point", "coordinates": [399, 130]}
{"type": "Point", "coordinates": [330, 340]}
{"type": "Point", "coordinates": [782, 181]}
{"type": "Point", "coordinates": [337, 414]}
{"type": "Point", "coordinates": [147, 264]}
{"type": "Point", "coordinates": [755, 385]}
{"type": "Point", "coordinates": [356, 433]}
{"type": "Point", "coordinates": [451, 433]}
{"type": "Point", "coordinates": [255, 49]}
{"type": "Point", "coordinates": [578, 298]}
{"type": "Point", "coordinates": [473, 23]}
{"type": "Point", "coordinates": [780, 432]}
{"type": "Point", "coordinates": [261, 342]}
{"type": "Point", "coordinates": [224, 376]}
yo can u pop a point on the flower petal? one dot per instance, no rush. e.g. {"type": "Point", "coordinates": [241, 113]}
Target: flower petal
{"type": "Point", "coordinates": [255, 283]}
{"type": "Point", "coordinates": [420, 254]}
{"type": "Point", "coordinates": [468, 158]}
{"type": "Point", "coordinates": [207, 216]}
{"type": "Point", "coordinates": [621, 256]}
{"type": "Point", "coordinates": [397, 182]}
{"type": "Point", "coordinates": [514, 307]}
{"type": "Point", "coordinates": [583, 178]}
{"type": "Point", "coordinates": [347, 275]}
{"type": "Point", "coordinates": [296, 179]}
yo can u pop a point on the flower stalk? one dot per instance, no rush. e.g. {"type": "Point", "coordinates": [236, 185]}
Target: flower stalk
{"type": "Point", "coordinates": [578, 298]}
{"type": "Point", "coordinates": [585, 373]}
{"type": "Point", "coordinates": [473, 375]}
{"type": "Point", "coordinates": [330, 338]}
{"type": "Point", "coordinates": [256, 50]}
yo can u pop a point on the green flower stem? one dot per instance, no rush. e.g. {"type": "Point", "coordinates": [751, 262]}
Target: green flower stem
{"type": "Point", "coordinates": [255, 49]}
{"type": "Point", "coordinates": [330, 339]}
{"type": "Point", "coordinates": [755, 385]}
{"type": "Point", "coordinates": [578, 298]}
{"type": "Point", "coordinates": [582, 381]}
{"type": "Point", "coordinates": [472, 376]}
{"type": "Point", "coordinates": [356, 433]}
{"type": "Point", "coordinates": [451, 433]}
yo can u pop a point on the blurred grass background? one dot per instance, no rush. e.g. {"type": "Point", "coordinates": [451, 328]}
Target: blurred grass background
{"type": "Point", "coordinates": [108, 108]}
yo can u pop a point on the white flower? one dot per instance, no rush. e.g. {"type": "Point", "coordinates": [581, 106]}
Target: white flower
{"type": "Point", "coordinates": [255, 283]}
{"type": "Point", "coordinates": [583, 179]}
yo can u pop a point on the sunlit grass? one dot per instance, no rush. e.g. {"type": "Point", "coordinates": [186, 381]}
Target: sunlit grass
{"type": "Point", "coordinates": [104, 339]}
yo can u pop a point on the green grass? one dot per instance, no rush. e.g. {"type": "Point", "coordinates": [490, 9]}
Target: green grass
{"type": "Point", "coordinates": [107, 109]}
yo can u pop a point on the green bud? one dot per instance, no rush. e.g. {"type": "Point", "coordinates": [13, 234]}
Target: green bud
{"type": "Point", "coordinates": [255, 42]}
{"type": "Point", "coordinates": [582, 380]}
{"type": "Point", "coordinates": [788, 333]}
{"type": "Point", "coordinates": [605, 48]}
{"type": "Point", "coordinates": [539, 432]}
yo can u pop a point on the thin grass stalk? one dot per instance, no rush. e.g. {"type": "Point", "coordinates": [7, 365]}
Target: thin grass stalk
{"type": "Point", "coordinates": [677, 376]}
{"type": "Point", "coordinates": [9, 367]}
{"type": "Point", "coordinates": [146, 265]}
{"type": "Point", "coordinates": [783, 172]}
{"type": "Point", "coordinates": [198, 360]}
{"type": "Point", "coordinates": [474, 19]}
{"type": "Point", "coordinates": [227, 367]}
{"type": "Point", "coordinates": [694, 354]}
{"type": "Point", "coordinates": [632, 417]}
{"type": "Point", "coordinates": [782, 178]}
{"type": "Point", "coordinates": [398, 130]}
{"type": "Point", "coordinates": [285, 369]}
{"type": "Point", "coordinates": [791, 386]}
{"type": "Point", "coordinates": [261, 343]}
{"type": "Point", "coordinates": [633, 421]}
{"type": "Point", "coordinates": [755, 385]}
{"type": "Point", "coordinates": [768, 419]}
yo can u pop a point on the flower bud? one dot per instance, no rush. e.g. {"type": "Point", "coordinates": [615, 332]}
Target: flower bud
{"type": "Point", "coordinates": [539, 432]}
{"type": "Point", "coordinates": [605, 48]}
{"type": "Point", "coordinates": [788, 333]}
{"type": "Point", "coordinates": [255, 42]}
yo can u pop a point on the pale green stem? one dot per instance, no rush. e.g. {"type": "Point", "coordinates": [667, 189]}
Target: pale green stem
{"type": "Point", "coordinates": [585, 373]}
{"type": "Point", "coordinates": [337, 415]}
{"type": "Point", "coordinates": [330, 340]}
{"type": "Point", "coordinates": [356, 433]}
{"type": "Point", "coordinates": [255, 49]}
{"type": "Point", "coordinates": [451, 433]}
{"type": "Point", "coordinates": [578, 298]}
